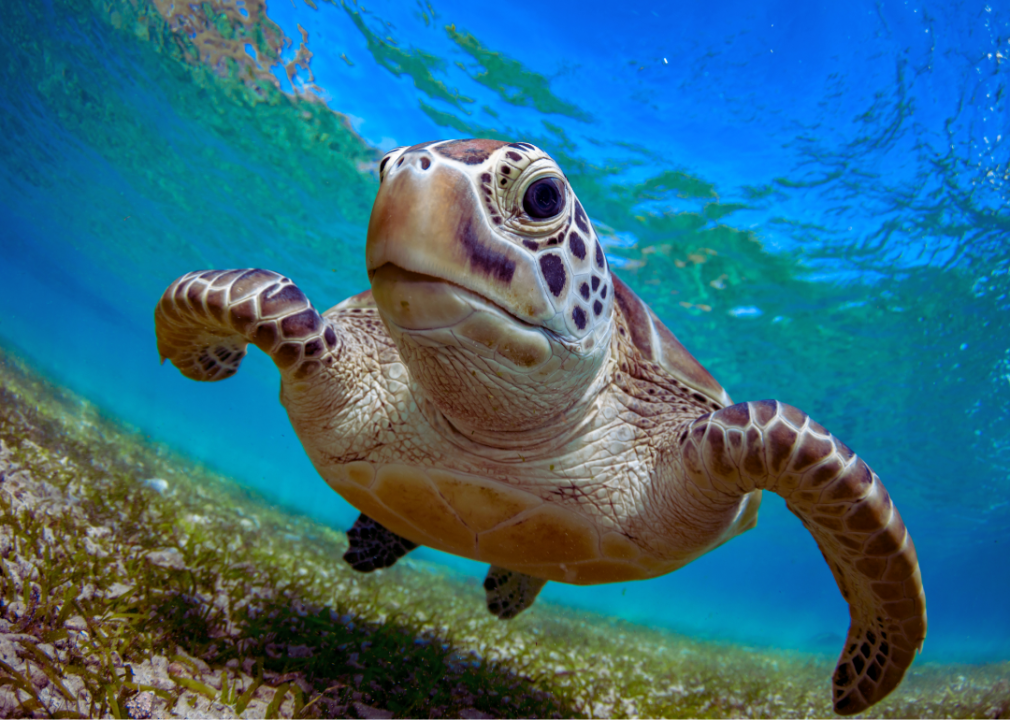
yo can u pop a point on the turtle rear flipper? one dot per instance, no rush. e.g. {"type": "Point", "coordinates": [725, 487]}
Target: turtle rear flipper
{"type": "Point", "coordinates": [841, 501]}
{"type": "Point", "coordinates": [205, 319]}
{"type": "Point", "coordinates": [373, 547]}
{"type": "Point", "coordinates": [510, 592]}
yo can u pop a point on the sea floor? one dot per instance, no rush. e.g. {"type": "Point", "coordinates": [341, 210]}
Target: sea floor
{"type": "Point", "coordinates": [137, 583]}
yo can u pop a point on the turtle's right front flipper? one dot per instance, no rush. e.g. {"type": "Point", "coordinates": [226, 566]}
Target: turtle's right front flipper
{"type": "Point", "coordinates": [205, 320]}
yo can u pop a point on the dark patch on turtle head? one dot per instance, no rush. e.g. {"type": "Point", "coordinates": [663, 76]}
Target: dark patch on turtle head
{"type": "Point", "coordinates": [577, 245]}
{"type": "Point", "coordinates": [579, 316]}
{"type": "Point", "coordinates": [486, 259]}
{"type": "Point", "coordinates": [580, 218]}
{"type": "Point", "coordinates": [553, 269]}
{"type": "Point", "coordinates": [471, 152]}
{"type": "Point", "coordinates": [600, 260]}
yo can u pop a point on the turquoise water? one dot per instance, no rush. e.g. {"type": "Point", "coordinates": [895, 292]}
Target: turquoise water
{"type": "Point", "coordinates": [813, 198]}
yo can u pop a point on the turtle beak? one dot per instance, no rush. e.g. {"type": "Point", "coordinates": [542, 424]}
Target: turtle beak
{"type": "Point", "coordinates": [428, 219]}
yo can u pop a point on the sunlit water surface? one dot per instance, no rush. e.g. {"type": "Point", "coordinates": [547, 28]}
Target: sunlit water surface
{"type": "Point", "coordinates": [812, 196]}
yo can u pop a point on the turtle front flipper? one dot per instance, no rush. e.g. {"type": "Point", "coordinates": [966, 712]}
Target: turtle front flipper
{"type": "Point", "coordinates": [373, 547]}
{"type": "Point", "coordinates": [510, 592]}
{"type": "Point", "coordinates": [841, 501]}
{"type": "Point", "coordinates": [205, 320]}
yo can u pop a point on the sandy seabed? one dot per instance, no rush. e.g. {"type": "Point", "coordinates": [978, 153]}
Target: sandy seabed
{"type": "Point", "coordinates": [137, 583]}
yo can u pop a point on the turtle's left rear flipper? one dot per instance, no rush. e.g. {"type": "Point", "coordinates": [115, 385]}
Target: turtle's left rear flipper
{"type": "Point", "coordinates": [373, 547]}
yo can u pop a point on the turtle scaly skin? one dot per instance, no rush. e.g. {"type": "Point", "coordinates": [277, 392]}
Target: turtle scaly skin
{"type": "Point", "coordinates": [501, 395]}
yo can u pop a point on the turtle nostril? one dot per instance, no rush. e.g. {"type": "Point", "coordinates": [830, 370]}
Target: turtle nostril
{"type": "Point", "coordinates": [399, 162]}
{"type": "Point", "coordinates": [425, 163]}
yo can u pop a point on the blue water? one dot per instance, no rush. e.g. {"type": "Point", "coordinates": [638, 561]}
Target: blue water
{"type": "Point", "coordinates": [848, 164]}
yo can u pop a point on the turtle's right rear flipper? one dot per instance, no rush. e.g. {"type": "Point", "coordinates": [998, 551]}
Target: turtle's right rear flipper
{"type": "Point", "coordinates": [373, 547]}
{"type": "Point", "coordinates": [205, 319]}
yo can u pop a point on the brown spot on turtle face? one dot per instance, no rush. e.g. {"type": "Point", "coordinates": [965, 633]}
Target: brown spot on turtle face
{"type": "Point", "coordinates": [531, 245]}
{"type": "Point", "coordinates": [580, 218]}
{"type": "Point", "coordinates": [331, 337]}
{"type": "Point", "coordinates": [579, 316]}
{"type": "Point", "coordinates": [584, 291]}
{"type": "Point", "coordinates": [599, 256]}
{"type": "Point", "coordinates": [554, 273]}
{"type": "Point", "coordinates": [471, 152]}
{"type": "Point", "coordinates": [488, 260]}
{"type": "Point", "coordinates": [513, 156]}
{"type": "Point", "coordinates": [597, 307]}
{"type": "Point", "coordinates": [577, 245]}
{"type": "Point", "coordinates": [596, 283]}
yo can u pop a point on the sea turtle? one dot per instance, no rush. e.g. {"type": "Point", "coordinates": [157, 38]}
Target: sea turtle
{"type": "Point", "coordinates": [501, 394]}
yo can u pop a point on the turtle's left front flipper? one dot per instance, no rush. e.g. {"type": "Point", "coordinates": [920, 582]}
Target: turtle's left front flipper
{"type": "Point", "coordinates": [509, 592]}
{"type": "Point", "coordinates": [205, 319]}
{"type": "Point", "coordinates": [373, 547]}
{"type": "Point", "coordinates": [772, 446]}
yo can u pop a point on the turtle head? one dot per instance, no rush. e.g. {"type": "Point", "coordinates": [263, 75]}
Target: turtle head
{"type": "Point", "coordinates": [491, 280]}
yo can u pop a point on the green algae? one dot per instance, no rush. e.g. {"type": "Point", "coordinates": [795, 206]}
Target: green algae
{"type": "Point", "coordinates": [416, 64]}
{"type": "Point", "coordinates": [511, 80]}
{"type": "Point", "coordinates": [247, 608]}
{"type": "Point", "coordinates": [245, 127]}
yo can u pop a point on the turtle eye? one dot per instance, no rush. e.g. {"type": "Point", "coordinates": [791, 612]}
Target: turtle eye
{"type": "Point", "coordinates": [544, 199]}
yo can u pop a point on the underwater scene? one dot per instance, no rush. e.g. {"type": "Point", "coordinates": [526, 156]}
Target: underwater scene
{"type": "Point", "coordinates": [814, 198]}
